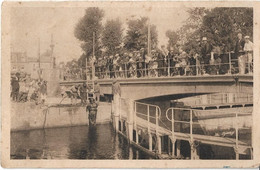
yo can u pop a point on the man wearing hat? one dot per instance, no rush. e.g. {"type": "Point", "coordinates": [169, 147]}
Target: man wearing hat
{"type": "Point", "coordinates": [116, 65]}
{"type": "Point", "coordinates": [248, 48]}
{"type": "Point", "coordinates": [139, 64]}
{"type": "Point", "coordinates": [239, 53]}
{"type": "Point", "coordinates": [144, 64]}
{"type": "Point", "coordinates": [205, 54]}
{"type": "Point", "coordinates": [110, 66]}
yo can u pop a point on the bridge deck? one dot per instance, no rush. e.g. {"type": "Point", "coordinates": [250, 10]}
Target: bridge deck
{"type": "Point", "coordinates": [212, 140]}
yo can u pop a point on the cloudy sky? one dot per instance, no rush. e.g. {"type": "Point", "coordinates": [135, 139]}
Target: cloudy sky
{"type": "Point", "coordinates": [28, 24]}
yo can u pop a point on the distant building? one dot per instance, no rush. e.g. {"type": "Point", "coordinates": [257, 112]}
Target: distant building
{"type": "Point", "coordinates": [21, 63]}
{"type": "Point", "coordinates": [18, 61]}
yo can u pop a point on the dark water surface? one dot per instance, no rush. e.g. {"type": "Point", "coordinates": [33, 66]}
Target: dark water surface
{"type": "Point", "coordinates": [73, 143]}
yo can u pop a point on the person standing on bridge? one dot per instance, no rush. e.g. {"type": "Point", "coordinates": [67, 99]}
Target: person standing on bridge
{"type": "Point", "coordinates": [239, 53]}
{"type": "Point", "coordinates": [248, 48]}
{"type": "Point", "coordinates": [205, 54]}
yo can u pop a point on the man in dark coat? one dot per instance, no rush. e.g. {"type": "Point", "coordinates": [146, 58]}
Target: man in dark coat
{"type": "Point", "coordinates": [15, 88]}
{"type": "Point", "coordinates": [205, 54]}
{"type": "Point", "coordinates": [160, 60]}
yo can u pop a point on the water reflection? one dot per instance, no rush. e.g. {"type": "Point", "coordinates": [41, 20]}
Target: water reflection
{"type": "Point", "coordinates": [80, 142]}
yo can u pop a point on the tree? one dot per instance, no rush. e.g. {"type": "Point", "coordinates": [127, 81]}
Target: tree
{"type": "Point", "coordinates": [172, 38]}
{"type": "Point", "coordinates": [189, 33]}
{"type": "Point", "coordinates": [90, 23]}
{"type": "Point", "coordinates": [73, 68]}
{"type": "Point", "coordinates": [221, 25]}
{"type": "Point", "coordinates": [112, 36]}
{"type": "Point", "coordinates": [82, 61]}
{"type": "Point", "coordinates": [137, 34]}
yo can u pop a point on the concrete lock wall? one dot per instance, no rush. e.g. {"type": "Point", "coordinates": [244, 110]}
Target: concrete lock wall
{"type": "Point", "coordinates": [28, 116]}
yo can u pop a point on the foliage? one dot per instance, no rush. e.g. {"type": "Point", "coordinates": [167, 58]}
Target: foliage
{"type": "Point", "coordinates": [219, 25]}
{"type": "Point", "coordinates": [137, 34]}
{"type": "Point", "coordinates": [189, 34]}
{"type": "Point", "coordinates": [89, 23]}
{"type": "Point", "coordinates": [112, 36]}
{"type": "Point", "coordinates": [73, 66]}
{"type": "Point", "coordinates": [82, 61]}
{"type": "Point", "coordinates": [172, 38]}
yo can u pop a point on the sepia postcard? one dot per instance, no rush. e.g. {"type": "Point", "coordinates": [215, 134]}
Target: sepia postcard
{"type": "Point", "coordinates": [130, 84]}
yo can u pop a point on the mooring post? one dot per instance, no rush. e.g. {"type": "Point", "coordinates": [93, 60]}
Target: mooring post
{"type": "Point", "coordinates": [149, 130]}
{"type": "Point", "coordinates": [120, 115]}
{"type": "Point", "coordinates": [136, 130]}
{"type": "Point", "coordinates": [194, 151]}
{"type": "Point", "coordinates": [116, 113]}
{"type": "Point", "coordinates": [178, 148]}
{"type": "Point", "coordinates": [173, 136]}
{"type": "Point", "coordinates": [159, 144]}
{"type": "Point", "coordinates": [236, 147]}
{"type": "Point", "coordinates": [194, 154]}
{"type": "Point", "coordinates": [131, 113]}
{"type": "Point", "coordinates": [130, 153]}
{"type": "Point", "coordinates": [150, 142]}
{"type": "Point", "coordinates": [136, 136]}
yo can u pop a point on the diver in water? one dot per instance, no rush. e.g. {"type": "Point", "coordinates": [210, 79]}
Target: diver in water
{"type": "Point", "coordinates": [92, 109]}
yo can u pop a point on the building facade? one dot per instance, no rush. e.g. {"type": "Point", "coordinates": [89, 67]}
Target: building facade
{"type": "Point", "coordinates": [20, 62]}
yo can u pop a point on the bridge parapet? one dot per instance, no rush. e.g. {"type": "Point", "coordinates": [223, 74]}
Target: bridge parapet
{"type": "Point", "coordinates": [141, 88]}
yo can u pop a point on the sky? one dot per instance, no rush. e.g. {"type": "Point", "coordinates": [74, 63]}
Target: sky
{"type": "Point", "coordinates": [31, 24]}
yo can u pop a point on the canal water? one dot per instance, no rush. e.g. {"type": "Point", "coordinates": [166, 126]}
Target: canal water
{"type": "Point", "coordinates": [73, 143]}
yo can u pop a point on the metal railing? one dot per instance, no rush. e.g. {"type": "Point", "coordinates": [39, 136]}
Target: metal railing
{"type": "Point", "coordinates": [170, 71]}
{"type": "Point", "coordinates": [190, 122]}
{"type": "Point", "coordinates": [146, 114]}
{"type": "Point", "coordinates": [151, 115]}
{"type": "Point", "coordinates": [168, 67]}
{"type": "Point", "coordinates": [231, 129]}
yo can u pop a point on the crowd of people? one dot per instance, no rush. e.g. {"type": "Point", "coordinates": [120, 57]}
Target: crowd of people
{"type": "Point", "coordinates": [210, 60]}
{"type": "Point", "coordinates": [25, 89]}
